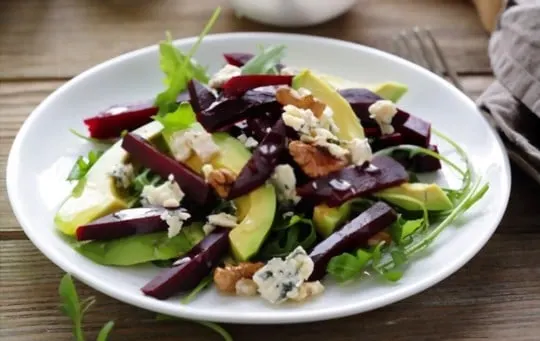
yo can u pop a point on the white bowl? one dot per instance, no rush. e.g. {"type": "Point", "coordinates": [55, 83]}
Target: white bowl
{"type": "Point", "coordinates": [291, 13]}
{"type": "Point", "coordinates": [44, 151]}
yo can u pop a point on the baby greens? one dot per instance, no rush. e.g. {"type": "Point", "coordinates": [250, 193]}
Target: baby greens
{"type": "Point", "coordinates": [287, 234]}
{"type": "Point", "coordinates": [181, 118]}
{"type": "Point", "coordinates": [75, 309]}
{"type": "Point", "coordinates": [83, 165]}
{"type": "Point", "coordinates": [265, 62]}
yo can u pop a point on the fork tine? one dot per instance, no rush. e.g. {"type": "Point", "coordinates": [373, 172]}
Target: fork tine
{"type": "Point", "coordinates": [411, 50]}
{"type": "Point", "coordinates": [397, 46]}
{"type": "Point", "coordinates": [426, 51]}
{"type": "Point", "coordinates": [451, 72]}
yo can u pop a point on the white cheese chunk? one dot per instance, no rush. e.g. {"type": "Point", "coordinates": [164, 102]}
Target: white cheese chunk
{"type": "Point", "coordinates": [222, 76]}
{"type": "Point", "coordinates": [246, 287]}
{"type": "Point", "coordinates": [184, 142]}
{"type": "Point", "coordinates": [208, 228]}
{"type": "Point", "coordinates": [168, 194]}
{"type": "Point", "coordinates": [281, 279]}
{"type": "Point", "coordinates": [206, 170]}
{"type": "Point", "coordinates": [301, 120]}
{"type": "Point", "coordinates": [222, 219]}
{"type": "Point", "coordinates": [360, 151]}
{"type": "Point", "coordinates": [175, 220]}
{"type": "Point", "coordinates": [123, 175]}
{"type": "Point", "coordinates": [284, 181]}
{"type": "Point", "coordinates": [383, 111]}
{"type": "Point", "coordinates": [324, 138]}
{"type": "Point", "coordinates": [249, 142]}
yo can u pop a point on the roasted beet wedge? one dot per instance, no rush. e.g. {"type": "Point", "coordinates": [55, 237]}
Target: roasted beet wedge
{"type": "Point", "coordinates": [124, 223]}
{"type": "Point", "coordinates": [262, 163]}
{"type": "Point", "coordinates": [113, 121]}
{"type": "Point", "coordinates": [353, 235]}
{"type": "Point", "coordinates": [238, 85]}
{"type": "Point", "coordinates": [360, 100]}
{"type": "Point", "coordinates": [385, 141]}
{"type": "Point", "coordinates": [195, 266]}
{"type": "Point", "coordinates": [260, 126]}
{"type": "Point", "coordinates": [237, 59]}
{"type": "Point", "coordinates": [201, 96]}
{"type": "Point", "coordinates": [338, 187]}
{"type": "Point", "coordinates": [413, 129]}
{"type": "Point", "coordinates": [227, 111]}
{"type": "Point", "coordinates": [192, 184]}
{"type": "Point", "coordinates": [423, 163]}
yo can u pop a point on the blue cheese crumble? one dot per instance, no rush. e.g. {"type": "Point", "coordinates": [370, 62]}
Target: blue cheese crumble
{"type": "Point", "coordinates": [175, 220]}
{"type": "Point", "coordinates": [280, 280]}
{"type": "Point", "coordinates": [284, 181]}
{"type": "Point", "coordinates": [383, 111]}
{"type": "Point", "coordinates": [123, 175]}
{"type": "Point", "coordinates": [169, 194]}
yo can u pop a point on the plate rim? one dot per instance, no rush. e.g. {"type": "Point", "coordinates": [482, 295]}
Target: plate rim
{"type": "Point", "coordinates": [282, 316]}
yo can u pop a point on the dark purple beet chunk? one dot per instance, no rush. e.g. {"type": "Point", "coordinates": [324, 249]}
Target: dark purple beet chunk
{"type": "Point", "coordinates": [191, 183]}
{"type": "Point", "coordinates": [423, 163]}
{"type": "Point", "coordinates": [415, 131]}
{"type": "Point", "coordinates": [385, 141]}
{"type": "Point", "coordinates": [201, 96]}
{"type": "Point", "coordinates": [198, 263]}
{"type": "Point", "coordinates": [360, 101]}
{"type": "Point", "coordinates": [123, 223]}
{"type": "Point", "coordinates": [237, 59]}
{"type": "Point", "coordinates": [338, 187]}
{"type": "Point", "coordinates": [237, 86]}
{"type": "Point", "coordinates": [262, 163]}
{"type": "Point", "coordinates": [228, 111]}
{"type": "Point", "coordinates": [353, 235]}
{"type": "Point", "coordinates": [260, 126]}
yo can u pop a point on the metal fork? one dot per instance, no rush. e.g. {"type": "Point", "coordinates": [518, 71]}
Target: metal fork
{"type": "Point", "coordinates": [419, 46]}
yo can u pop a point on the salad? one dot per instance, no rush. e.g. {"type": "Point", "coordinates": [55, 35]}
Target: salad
{"type": "Point", "coordinates": [262, 179]}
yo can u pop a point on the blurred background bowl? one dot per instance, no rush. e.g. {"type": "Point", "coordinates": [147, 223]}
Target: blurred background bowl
{"type": "Point", "coordinates": [291, 13]}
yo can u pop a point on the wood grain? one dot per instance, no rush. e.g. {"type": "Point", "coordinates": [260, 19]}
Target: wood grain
{"type": "Point", "coordinates": [61, 38]}
{"type": "Point", "coordinates": [495, 297]}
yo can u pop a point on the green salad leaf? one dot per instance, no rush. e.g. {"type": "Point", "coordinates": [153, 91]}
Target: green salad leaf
{"type": "Point", "coordinates": [180, 68]}
{"type": "Point", "coordinates": [83, 164]}
{"type": "Point", "coordinates": [144, 178]}
{"type": "Point", "coordinates": [181, 118]}
{"type": "Point", "coordinates": [265, 62]}
{"type": "Point", "coordinates": [101, 143]}
{"type": "Point", "coordinates": [205, 282]}
{"type": "Point", "coordinates": [210, 325]}
{"type": "Point", "coordinates": [142, 248]}
{"type": "Point", "coordinates": [346, 266]}
{"type": "Point", "coordinates": [287, 234]}
{"type": "Point", "coordinates": [75, 309]}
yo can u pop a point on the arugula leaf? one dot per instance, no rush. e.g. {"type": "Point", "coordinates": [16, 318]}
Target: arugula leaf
{"type": "Point", "coordinates": [345, 267]}
{"type": "Point", "coordinates": [180, 68]}
{"type": "Point", "coordinates": [182, 118]}
{"type": "Point", "coordinates": [75, 309]}
{"type": "Point", "coordinates": [287, 234]}
{"type": "Point", "coordinates": [210, 325]}
{"type": "Point", "coordinates": [104, 332]}
{"type": "Point", "coordinates": [264, 62]}
{"type": "Point", "coordinates": [103, 143]}
{"type": "Point", "coordinates": [201, 286]}
{"type": "Point", "coordinates": [83, 165]}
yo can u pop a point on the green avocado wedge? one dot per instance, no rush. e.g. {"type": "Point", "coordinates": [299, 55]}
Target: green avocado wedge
{"type": "Point", "coordinates": [431, 195]}
{"type": "Point", "coordinates": [327, 219]}
{"type": "Point", "coordinates": [95, 195]}
{"type": "Point", "coordinates": [255, 211]}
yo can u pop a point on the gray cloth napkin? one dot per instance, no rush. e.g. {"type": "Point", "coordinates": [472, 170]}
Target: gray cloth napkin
{"type": "Point", "coordinates": [512, 102]}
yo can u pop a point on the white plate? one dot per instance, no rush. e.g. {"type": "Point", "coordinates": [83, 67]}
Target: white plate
{"type": "Point", "coordinates": [44, 151]}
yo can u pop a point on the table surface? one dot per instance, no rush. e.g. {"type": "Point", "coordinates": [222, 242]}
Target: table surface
{"type": "Point", "coordinates": [496, 296]}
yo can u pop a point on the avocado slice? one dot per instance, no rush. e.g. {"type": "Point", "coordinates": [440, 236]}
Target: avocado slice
{"type": "Point", "coordinates": [392, 91]}
{"type": "Point", "coordinates": [255, 211]}
{"type": "Point", "coordinates": [344, 116]}
{"type": "Point", "coordinates": [327, 219]}
{"type": "Point", "coordinates": [95, 195]}
{"type": "Point", "coordinates": [431, 195]}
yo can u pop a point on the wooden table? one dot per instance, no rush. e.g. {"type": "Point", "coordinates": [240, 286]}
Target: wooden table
{"type": "Point", "coordinates": [44, 43]}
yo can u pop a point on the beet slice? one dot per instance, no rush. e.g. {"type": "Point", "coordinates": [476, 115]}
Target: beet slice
{"type": "Point", "coordinates": [227, 111]}
{"type": "Point", "coordinates": [360, 101]}
{"type": "Point", "coordinates": [237, 59]}
{"type": "Point", "coordinates": [124, 223]}
{"type": "Point", "coordinates": [113, 121]}
{"type": "Point", "coordinates": [195, 266]}
{"type": "Point", "coordinates": [423, 163]}
{"type": "Point", "coordinates": [191, 183]}
{"type": "Point", "coordinates": [351, 236]}
{"type": "Point", "coordinates": [262, 163]}
{"type": "Point", "coordinates": [201, 96]}
{"type": "Point", "coordinates": [414, 129]}
{"type": "Point", "coordinates": [237, 86]}
{"type": "Point", "coordinates": [385, 141]}
{"type": "Point", "coordinates": [338, 187]}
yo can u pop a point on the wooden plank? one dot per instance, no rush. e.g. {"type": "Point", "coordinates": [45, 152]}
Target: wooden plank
{"type": "Point", "coordinates": [495, 297]}
{"type": "Point", "coordinates": [61, 38]}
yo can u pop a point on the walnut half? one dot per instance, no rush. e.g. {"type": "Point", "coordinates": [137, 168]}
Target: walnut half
{"type": "Point", "coordinates": [221, 180]}
{"type": "Point", "coordinates": [226, 278]}
{"type": "Point", "coordinates": [286, 96]}
{"type": "Point", "coordinates": [314, 161]}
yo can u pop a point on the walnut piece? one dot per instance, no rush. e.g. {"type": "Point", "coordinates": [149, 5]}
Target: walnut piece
{"type": "Point", "coordinates": [286, 95]}
{"type": "Point", "coordinates": [379, 237]}
{"type": "Point", "coordinates": [226, 278]}
{"type": "Point", "coordinates": [221, 180]}
{"type": "Point", "coordinates": [246, 287]}
{"type": "Point", "coordinates": [315, 162]}
{"type": "Point", "coordinates": [307, 290]}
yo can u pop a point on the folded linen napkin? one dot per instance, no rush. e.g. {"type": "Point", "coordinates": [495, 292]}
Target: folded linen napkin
{"type": "Point", "coordinates": [512, 102]}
